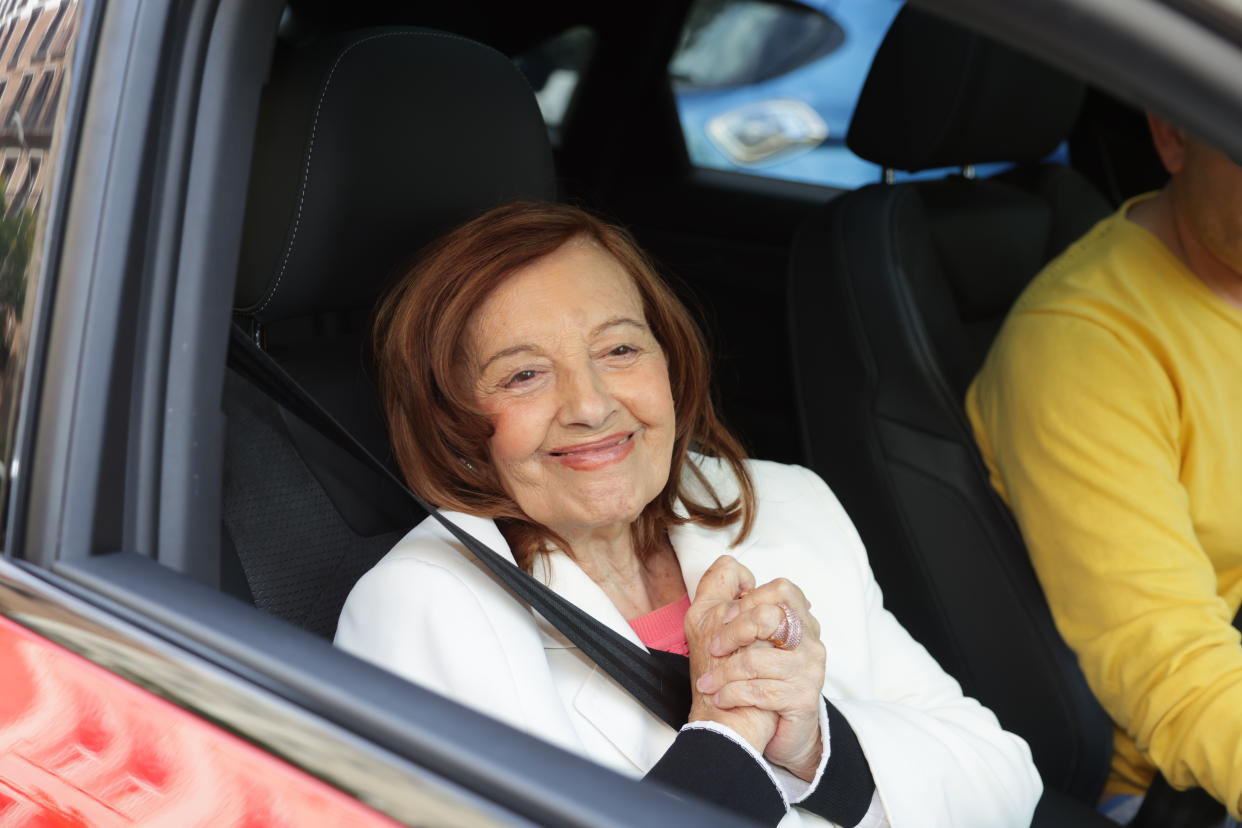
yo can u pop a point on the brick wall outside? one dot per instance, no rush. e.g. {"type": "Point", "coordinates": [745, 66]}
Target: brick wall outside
{"type": "Point", "coordinates": [35, 39]}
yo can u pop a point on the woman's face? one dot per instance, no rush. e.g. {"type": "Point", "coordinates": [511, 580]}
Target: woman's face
{"type": "Point", "coordinates": [577, 390]}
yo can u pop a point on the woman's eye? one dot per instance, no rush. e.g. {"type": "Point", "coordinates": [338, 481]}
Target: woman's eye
{"type": "Point", "coordinates": [623, 350]}
{"type": "Point", "coordinates": [520, 378]}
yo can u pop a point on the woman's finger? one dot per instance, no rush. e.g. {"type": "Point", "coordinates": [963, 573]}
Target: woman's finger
{"type": "Point", "coordinates": [804, 666]}
{"type": "Point", "coordinates": [764, 694]}
{"type": "Point", "coordinates": [759, 623]}
{"type": "Point", "coordinates": [755, 663]}
{"type": "Point", "coordinates": [777, 591]}
{"type": "Point", "coordinates": [724, 580]}
{"type": "Point", "coordinates": [781, 591]}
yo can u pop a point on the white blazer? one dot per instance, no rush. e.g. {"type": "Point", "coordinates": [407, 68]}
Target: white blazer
{"type": "Point", "coordinates": [432, 614]}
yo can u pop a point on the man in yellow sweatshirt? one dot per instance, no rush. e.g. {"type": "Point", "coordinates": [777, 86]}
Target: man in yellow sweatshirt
{"type": "Point", "coordinates": [1109, 412]}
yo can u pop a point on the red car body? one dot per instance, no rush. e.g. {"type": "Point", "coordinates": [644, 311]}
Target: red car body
{"type": "Point", "coordinates": [81, 747]}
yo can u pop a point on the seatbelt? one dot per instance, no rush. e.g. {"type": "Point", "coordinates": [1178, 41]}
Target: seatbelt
{"type": "Point", "coordinates": [660, 681]}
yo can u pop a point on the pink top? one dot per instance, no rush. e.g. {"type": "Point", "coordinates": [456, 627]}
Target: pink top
{"type": "Point", "coordinates": [665, 628]}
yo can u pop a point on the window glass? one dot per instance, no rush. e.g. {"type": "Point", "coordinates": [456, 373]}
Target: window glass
{"type": "Point", "coordinates": [769, 88]}
{"type": "Point", "coordinates": [553, 69]}
{"type": "Point", "coordinates": [36, 38]}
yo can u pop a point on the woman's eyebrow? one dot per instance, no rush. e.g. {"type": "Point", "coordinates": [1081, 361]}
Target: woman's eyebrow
{"type": "Point", "coordinates": [532, 348]}
{"type": "Point", "coordinates": [614, 321]}
{"type": "Point", "coordinates": [508, 352]}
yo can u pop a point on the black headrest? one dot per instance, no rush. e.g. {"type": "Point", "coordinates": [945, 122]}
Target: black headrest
{"type": "Point", "coordinates": [938, 95]}
{"type": "Point", "coordinates": [370, 144]}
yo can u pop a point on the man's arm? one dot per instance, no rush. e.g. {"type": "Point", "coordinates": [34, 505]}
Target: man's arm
{"type": "Point", "coordinates": [1082, 431]}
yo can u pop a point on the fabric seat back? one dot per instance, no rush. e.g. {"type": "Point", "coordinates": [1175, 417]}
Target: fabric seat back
{"type": "Point", "coordinates": [896, 291]}
{"type": "Point", "coordinates": [370, 144]}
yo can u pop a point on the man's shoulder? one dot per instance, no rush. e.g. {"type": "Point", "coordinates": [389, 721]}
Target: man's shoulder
{"type": "Point", "coordinates": [1110, 270]}
{"type": "Point", "coordinates": [1094, 319]}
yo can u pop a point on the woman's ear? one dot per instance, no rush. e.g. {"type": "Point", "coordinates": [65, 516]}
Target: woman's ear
{"type": "Point", "coordinates": [1170, 143]}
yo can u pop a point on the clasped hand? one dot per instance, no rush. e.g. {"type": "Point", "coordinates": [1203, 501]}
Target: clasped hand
{"type": "Point", "coordinates": [769, 696]}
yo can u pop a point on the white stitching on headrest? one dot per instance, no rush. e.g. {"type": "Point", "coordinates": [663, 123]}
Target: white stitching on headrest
{"type": "Point", "coordinates": [310, 149]}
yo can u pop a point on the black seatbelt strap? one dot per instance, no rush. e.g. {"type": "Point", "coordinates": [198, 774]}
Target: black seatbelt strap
{"type": "Point", "coordinates": [660, 684]}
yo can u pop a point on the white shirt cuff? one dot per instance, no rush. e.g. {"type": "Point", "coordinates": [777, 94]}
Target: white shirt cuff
{"type": "Point", "coordinates": [733, 736]}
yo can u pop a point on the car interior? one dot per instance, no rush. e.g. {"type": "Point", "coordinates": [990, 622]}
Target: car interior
{"type": "Point", "coordinates": [895, 294]}
{"type": "Point", "coordinates": [865, 315]}
{"type": "Point", "coordinates": [845, 325]}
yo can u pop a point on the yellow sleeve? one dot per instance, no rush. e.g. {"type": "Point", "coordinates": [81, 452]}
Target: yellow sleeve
{"type": "Point", "coordinates": [1080, 428]}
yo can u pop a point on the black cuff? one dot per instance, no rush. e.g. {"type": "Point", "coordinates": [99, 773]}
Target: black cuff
{"type": "Point", "coordinates": [715, 768]}
{"type": "Point", "coordinates": [845, 790]}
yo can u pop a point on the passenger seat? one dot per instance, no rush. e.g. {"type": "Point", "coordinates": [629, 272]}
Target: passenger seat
{"type": "Point", "coordinates": [370, 144]}
{"type": "Point", "coordinates": [896, 292]}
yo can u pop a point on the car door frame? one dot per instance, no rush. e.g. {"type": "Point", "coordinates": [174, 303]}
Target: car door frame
{"type": "Point", "coordinates": [126, 369]}
{"type": "Point", "coordinates": [113, 532]}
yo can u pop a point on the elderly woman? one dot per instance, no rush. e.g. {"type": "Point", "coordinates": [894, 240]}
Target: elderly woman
{"type": "Point", "coordinates": [547, 390]}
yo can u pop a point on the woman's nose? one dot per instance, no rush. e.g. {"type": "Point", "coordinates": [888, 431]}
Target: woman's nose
{"type": "Point", "coordinates": [586, 399]}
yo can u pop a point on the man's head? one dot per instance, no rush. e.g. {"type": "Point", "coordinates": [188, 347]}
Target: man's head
{"type": "Point", "coordinates": [1205, 189]}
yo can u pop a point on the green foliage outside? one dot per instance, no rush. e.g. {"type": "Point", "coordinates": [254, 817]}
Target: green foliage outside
{"type": "Point", "coordinates": [16, 241]}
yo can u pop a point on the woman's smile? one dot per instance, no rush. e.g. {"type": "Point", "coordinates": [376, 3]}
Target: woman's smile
{"type": "Point", "coordinates": [576, 388]}
{"type": "Point", "coordinates": [597, 454]}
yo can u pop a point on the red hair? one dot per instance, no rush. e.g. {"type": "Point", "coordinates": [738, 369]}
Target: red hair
{"type": "Point", "coordinates": [440, 436]}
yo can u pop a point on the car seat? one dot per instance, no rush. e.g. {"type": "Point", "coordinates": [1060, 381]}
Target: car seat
{"type": "Point", "coordinates": [370, 143]}
{"type": "Point", "coordinates": [896, 292]}
{"type": "Point", "coordinates": [1111, 145]}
